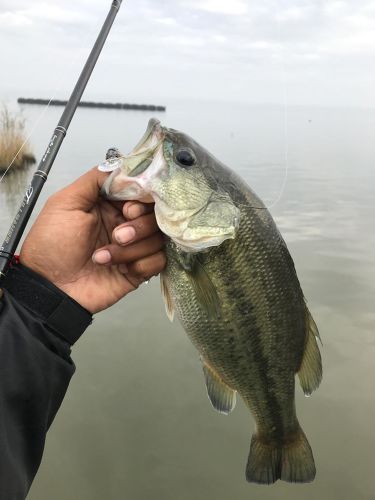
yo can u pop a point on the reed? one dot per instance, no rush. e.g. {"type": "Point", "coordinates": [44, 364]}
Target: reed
{"type": "Point", "coordinates": [12, 137]}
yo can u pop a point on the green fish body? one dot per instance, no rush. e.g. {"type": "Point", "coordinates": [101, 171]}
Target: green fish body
{"type": "Point", "coordinates": [232, 282]}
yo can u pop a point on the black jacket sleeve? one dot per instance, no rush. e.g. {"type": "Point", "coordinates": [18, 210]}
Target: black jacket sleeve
{"type": "Point", "coordinates": [38, 324]}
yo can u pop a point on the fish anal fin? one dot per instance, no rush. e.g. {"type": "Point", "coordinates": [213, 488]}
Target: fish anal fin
{"type": "Point", "coordinates": [222, 397]}
{"type": "Point", "coordinates": [292, 462]}
{"type": "Point", "coordinates": [310, 371]}
{"type": "Point", "coordinates": [169, 307]}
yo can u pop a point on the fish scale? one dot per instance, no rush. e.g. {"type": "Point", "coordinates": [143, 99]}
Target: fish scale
{"type": "Point", "coordinates": [212, 337]}
{"type": "Point", "coordinates": [233, 285]}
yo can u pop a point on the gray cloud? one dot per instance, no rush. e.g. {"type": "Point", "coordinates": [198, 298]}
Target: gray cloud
{"type": "Point", "coordinates": [238, 50]}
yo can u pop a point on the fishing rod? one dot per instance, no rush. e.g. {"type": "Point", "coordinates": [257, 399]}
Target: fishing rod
{"type": "Point", "coordinates": [40, 176]}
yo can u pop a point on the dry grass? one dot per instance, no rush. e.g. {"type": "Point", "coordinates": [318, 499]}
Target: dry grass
{"type": "Point", "coordinates": [12, 136]}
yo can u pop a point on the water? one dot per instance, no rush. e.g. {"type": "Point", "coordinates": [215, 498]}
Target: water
{"type": "Point", "coordinates": [136, 422]}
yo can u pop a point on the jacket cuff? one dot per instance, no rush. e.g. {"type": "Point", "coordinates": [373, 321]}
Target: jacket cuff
{"type": "Point", "coordinates": [54, 307]}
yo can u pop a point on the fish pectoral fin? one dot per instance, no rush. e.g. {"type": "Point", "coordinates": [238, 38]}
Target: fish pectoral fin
{"type": "Point", "coordinates": [222, 397]}
{"type": "Point", "coordinates": [310, 371]}
{"type": "Point", "coordinates": [169, 307]}
{"type": "Point", "coordinates": [204, 289]}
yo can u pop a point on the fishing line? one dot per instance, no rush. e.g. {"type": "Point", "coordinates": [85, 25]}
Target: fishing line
{"type": "Point", "coordinates": [285, 125]}
{"type": "Point", "coordinates": [285, 107]}
{"type": "Point", "coordinates": [32, 193]}
{"type": "Point", "coordinates": [56, 89]}
{"type": "Point", "coordinates": [30, 134]}
{"type": "Point", "coordinates": [286, 136]}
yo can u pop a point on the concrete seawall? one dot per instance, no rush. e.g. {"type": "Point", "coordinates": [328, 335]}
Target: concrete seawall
{"type": "Point", "coordinates": [89, 104]}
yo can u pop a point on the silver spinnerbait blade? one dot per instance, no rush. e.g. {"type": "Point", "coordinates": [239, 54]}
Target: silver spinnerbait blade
{"type": "Point", "coordinates": [113, 160]}
{"type": "Point", "coordinates": [110, 164]}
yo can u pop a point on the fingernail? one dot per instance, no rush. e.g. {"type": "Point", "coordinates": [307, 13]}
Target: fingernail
{"type": "Point", "coordinates": [125, 234]}
{"type": "Point", "coordinates": [102, 257]}
{"type": "Point", "coordinates": [136, 210]}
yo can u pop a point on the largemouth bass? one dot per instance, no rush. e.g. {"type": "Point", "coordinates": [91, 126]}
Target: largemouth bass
{"type": "Point", "coordinates": [233, 285]}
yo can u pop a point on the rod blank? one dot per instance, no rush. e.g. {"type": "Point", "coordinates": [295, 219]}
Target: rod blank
{"type": "Point", "coordinates": [41, 174]}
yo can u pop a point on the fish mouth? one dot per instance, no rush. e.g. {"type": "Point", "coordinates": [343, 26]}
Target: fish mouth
{"type": "Point", "coordinates": [147, 174]}
{"type": "Point", "coordinates": [133, 178]}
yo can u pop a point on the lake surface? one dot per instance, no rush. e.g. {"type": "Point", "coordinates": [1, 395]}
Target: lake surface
{"type": "Point", "coordinates": [136, 422]}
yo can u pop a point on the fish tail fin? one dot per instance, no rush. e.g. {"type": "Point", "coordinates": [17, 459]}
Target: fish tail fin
{"type": "Point", "coordinates": [292, 461]}
{"type": "Point", "coordinates": [310, 371]}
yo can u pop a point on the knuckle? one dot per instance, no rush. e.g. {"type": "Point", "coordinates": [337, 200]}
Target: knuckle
{"type": "Point", "coordinates": [162, 261]}
{"type": "Point", "coordinates": [149, 266]}
{"type": "Point", "coordinates": [140, 227]}
{"type": "Point", "coordinates": [158, 263]}
{"type": "Point", "coordinates": [160, 240]}
{"type": "Point", "coordinates": [146, 224]}
{"type": "Point", "coordinates": [141, 267]}
{"type": "Point", "coordinates": [53, 199]}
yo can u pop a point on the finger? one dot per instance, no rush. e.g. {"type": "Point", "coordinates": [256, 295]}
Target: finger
{"type": "Point", "coordinates": [136, 230]}
{"type": "Point", "coordinates": [110, 214]}
{"type": "Point", "coordinates": [114, 254]}
{"type": "Point", "coordinates": [83, 193]}
{"type": "Point", "coordinates": [134, 209]}
{"type": "Point", "coordinates": [146, 268]}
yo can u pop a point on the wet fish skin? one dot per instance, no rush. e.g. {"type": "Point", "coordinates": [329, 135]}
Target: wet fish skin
{"type": "Point", "coordinates": [257, 343]}
{"type": "Point", "coordinates": [256, 333]}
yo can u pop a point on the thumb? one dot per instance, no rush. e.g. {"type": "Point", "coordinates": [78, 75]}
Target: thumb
{"type": "Point", "coordinates": [83, 193]}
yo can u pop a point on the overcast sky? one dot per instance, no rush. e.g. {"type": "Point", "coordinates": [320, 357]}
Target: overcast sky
{"type": "Point", "coordinates": [317, 51]}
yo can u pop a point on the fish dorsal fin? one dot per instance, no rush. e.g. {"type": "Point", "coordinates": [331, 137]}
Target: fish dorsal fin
{"type": "Point", "coordinates": [169, 307]}
{"type": "Point", "coordinates": [222, 397]}
{"type": "Point", "coordinates": [310, 371]}
{"type": "Point", "coordinates": [204, 289]}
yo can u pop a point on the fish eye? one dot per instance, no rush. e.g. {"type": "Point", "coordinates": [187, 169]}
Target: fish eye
{"type": "Point", "coordinates": [185, 158]}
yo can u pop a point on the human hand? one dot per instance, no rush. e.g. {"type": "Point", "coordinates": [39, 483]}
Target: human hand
{"type": "Point", "coordinates": [75, 244]}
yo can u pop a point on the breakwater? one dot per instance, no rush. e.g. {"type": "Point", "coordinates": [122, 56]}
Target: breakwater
{"type": "Point", "coordinates": [90, 104]}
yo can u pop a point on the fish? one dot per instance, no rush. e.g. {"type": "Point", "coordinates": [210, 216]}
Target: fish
{"type": "Point", "coordinates": [232, 283]}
